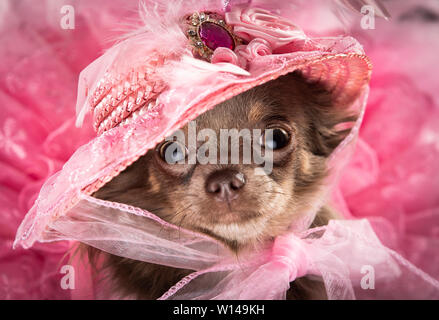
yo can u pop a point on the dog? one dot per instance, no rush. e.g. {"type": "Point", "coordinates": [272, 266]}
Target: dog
{"type": "Point", "coordinates": [233, 202]}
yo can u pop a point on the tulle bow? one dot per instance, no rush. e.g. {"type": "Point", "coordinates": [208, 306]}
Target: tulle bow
{"type": "Point", "coordinates": [347, 255]}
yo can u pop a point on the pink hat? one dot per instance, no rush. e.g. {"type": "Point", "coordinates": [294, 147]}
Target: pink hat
{"type": "Point", "coordinates": [181, 63]}
{"type": "Point", "coordinates": [247, 46]}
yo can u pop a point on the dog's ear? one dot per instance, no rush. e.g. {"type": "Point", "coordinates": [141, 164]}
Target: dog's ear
{"type": "Point", "coordinates": [328, 122]}
{"type": "Point", "coordinates": [329, 126]}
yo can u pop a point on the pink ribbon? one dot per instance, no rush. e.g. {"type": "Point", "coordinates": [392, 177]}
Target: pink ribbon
{"type": "Point", "coordinates": [264, 31]}
{"type": "Point", "coordinates": [337, 252]}
{"type": "Point", "coordinates": [242, 54]}
{"type": "Point", "coordinates": [252, 23]}
{"type": "Point", "coordinates": [289, 254]}
{"type": "Point", "coordinates": [224, 55]}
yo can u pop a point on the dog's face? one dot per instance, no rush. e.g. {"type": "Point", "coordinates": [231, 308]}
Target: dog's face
{"type": "Point", "coordinates": [240, 203]}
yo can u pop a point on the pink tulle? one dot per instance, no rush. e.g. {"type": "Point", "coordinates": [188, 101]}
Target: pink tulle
{"type": "Point", "coordinates": [330, 256]}
{"type": "Point", "coordinates": [392, 178]}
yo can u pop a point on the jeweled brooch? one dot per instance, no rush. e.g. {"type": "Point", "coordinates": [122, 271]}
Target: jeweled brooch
{"type": "Point", "coordinates": [208, 31]}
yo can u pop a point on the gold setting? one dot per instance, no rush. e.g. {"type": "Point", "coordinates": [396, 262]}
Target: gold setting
{"type": "Point", "coordinates": [194, 22]}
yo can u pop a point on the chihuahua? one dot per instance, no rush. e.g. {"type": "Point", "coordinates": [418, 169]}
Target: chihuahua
{"type": "Point", "coordinates": [233, 202]}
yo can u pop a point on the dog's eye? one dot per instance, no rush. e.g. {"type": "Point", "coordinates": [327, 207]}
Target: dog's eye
{"type": "Point", "coordinates": [172, 152]}
{"type": "Point", "coordinates": [275, 138]}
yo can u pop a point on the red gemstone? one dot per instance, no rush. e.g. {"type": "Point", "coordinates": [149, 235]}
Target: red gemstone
{"type": "Point", "coordinates": [214, 36]}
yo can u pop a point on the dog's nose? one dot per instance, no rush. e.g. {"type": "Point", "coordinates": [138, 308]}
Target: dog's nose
{"type": "Point", "coordinates": [225, 184]}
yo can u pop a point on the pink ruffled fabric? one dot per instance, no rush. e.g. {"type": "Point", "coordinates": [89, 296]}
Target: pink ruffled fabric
{"type": "Point", "coordinates": [38, 83]}
{"type": "Point", "coordinates": [393, 175]}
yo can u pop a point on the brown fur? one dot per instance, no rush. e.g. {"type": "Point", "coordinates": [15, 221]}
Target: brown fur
{"type": "Point", "coordinates": [176, 193]}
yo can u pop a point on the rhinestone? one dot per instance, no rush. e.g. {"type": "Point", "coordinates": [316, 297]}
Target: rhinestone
{"type": "Point", "coordinates": [214, 36]}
